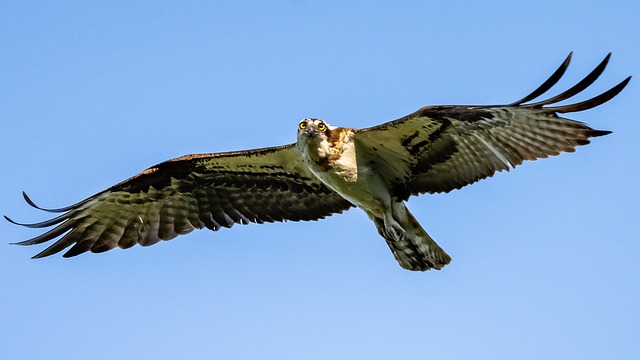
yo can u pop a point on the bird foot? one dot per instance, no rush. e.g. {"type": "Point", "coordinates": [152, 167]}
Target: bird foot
{"type": "Point", "coordinates": [393, 231]}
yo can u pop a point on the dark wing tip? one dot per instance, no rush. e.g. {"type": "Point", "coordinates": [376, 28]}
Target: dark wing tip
{"type": "Point", "coordinates": [597, 133]}
{"type": "Point", "coordinates": [552, 80]}
{"type": "Point", "coordinates": [12, 221]}
{"type": "Point", "coordinates": [77, 249]}
{"type": "Point", "coordinates": [40, 255]}
{"type": "Point", "coordinates": [19, 223]}
{"type": "Point", "coordinates": [58, 246]}
{"type": "Point", "coordinates": [574, 90]}
{"type": "Point", "coordinates": [594, 101]}
{"type": "Point", "coordinates": [29, 201]}
{"type": "Point", "coordinates": [577, 88]}
{"type": "Point", "coordinates": [59, 210]}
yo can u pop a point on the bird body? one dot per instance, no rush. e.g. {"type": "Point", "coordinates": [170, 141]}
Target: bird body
{"type": "Point", "coordinates": [330, 170]}
{"type": "Point", "coordinates": [348, 167]}
{"type": "Point", "coordinates": [332, 157]}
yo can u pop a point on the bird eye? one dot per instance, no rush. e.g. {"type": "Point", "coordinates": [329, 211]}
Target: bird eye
{"type": "Point", "coordinates": [303, 124]}
{"type": "Point", "coordinates": [322, 127]}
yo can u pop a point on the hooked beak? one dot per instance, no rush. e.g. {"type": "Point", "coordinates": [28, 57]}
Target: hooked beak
{"type": "Point", "coordinates": [310, 131]}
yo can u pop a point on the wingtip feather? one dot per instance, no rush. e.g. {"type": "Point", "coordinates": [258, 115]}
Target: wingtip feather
{"type": "Point", "coordinates": [58, 210]}
{"type": "Point", "coordinates": [552, 80]}
{"type": "Point", "coordinates": [577, 88]}
{"type": "Point", "coordinates": [597, 133]}
{"type": "Point", "coordinates": [11, 220]}
{"type": "Point", "coordinates": [594, 101]}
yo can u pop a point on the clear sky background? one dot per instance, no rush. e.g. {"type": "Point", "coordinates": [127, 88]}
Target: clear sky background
{"type": "Point", "coordinates": [545, 258]}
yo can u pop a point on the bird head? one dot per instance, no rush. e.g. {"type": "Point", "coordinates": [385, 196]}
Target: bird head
{"type": "Point", "coordinates": [313, 138]}
{"type": "Point", "coordinates": [313, 128]}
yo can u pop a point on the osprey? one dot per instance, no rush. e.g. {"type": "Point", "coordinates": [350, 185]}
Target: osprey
{"type": "Point", "coordinates": [327, 171]}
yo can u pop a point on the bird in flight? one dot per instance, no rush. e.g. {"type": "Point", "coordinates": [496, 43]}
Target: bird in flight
{"type": "Point", "coordinates": [328, 171]}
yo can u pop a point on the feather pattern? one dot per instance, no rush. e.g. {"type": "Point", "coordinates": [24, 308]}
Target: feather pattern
{"type": "Point", "coordinates": [442, 148]}
{"type": "Point", "coordinates": [435, 149]}
{"type": "Point", "coordinates": [192, 192]}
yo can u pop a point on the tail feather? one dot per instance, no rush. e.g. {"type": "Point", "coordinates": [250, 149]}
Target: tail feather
{"type": "Point", "coordinates": [415, 249]}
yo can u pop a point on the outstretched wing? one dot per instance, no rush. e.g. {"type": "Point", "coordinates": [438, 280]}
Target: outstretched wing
{"type": "Point", "coordinates": [441, 148]}
{"type": "Point", "coordinates": [191, 192]}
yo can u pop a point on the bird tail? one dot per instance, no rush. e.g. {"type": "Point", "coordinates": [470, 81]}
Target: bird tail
{"type": "Point", "coordinates": [415, 249]}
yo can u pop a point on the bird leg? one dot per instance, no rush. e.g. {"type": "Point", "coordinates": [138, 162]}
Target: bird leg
{"type": "Point", "coordinates": [389, 228]}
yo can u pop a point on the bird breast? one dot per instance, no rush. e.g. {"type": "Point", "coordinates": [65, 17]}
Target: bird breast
{"type": "Point", "coordinates": [344, 171]}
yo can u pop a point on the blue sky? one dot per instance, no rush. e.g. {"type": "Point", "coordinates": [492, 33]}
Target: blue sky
{"type": "Point", "coordinates": [545, 258]}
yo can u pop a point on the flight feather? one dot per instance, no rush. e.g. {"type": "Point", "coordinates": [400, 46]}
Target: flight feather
{"type": "Point", "coordinates": [329, 170]}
